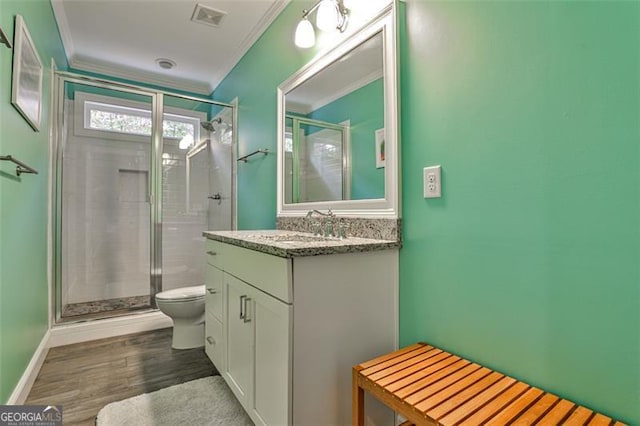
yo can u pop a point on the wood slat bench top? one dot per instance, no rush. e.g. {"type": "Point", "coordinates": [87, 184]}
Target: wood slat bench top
{"type": "Point", "coordinates": [429, 386]}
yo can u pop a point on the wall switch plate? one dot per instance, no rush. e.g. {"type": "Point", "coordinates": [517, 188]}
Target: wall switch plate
{"type": "Point", "coordinates": [432, 182]}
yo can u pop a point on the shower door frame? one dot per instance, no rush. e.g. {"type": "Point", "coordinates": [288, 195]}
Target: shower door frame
{"type": "Point", "coordinates": [343, 128]}
{"type": "Point", "coordinates": [155, 177]}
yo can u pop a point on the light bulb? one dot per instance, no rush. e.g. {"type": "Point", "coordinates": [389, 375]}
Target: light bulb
{"type": "Point", "coordinates": [186, 141]}
{"type": "Point", "coordinates": [305, 36]}
{"type": "Point", "coordinates": [327, 16]}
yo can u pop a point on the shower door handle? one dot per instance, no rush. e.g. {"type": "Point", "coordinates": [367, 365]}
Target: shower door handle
{"type": "Point", "coordinates": [217, 197]}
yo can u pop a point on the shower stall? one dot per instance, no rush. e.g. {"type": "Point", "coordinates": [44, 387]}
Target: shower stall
{"type": "Point", "coordinates": [317, 161]}
{"type": "Point", "coordinates": [139, 175]}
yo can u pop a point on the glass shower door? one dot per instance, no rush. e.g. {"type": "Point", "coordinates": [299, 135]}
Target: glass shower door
{"type": "Point", "coordinates": [196, 185]}
{"type": "Point", "coordinates": [104, 177]}
{"type": "Point", "coordinates": [317, 161]}
{"type": "Point", "coordinates": [139, 177]}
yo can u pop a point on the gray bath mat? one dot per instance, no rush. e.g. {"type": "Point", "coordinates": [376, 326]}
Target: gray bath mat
{"type": "Point", "coordinates": [207, 401]}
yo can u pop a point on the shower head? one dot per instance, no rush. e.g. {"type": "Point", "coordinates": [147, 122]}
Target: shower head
{"type": "Point", "coordinates": [208, 125]}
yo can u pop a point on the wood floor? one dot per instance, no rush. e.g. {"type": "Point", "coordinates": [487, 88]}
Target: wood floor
{"type": "Point", "coordinates": [85, 377]}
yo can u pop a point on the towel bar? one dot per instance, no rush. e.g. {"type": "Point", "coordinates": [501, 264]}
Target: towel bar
{"type": "Point", "coordinates": [20, 166]}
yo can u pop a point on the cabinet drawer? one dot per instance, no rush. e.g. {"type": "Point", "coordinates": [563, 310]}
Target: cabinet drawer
{"type": "Point", "coordinates": [271, 274]}
{"type": "Point", "coordinates": [214, 342]}
{"type": "Point", "coordinates": [214, 253]}
{"type": "Point", "coordinates": [214, 297]}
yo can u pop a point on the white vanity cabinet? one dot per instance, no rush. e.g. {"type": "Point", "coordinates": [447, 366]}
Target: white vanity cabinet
{"type": "Point", "coordinates": [214, 316]}
{"type": "Point", "coordinates": [292, 328]}
{"type": "Point", "coordinates": [253, 356]}
{"type": "Point", "coordinates": [258, 344]}
{"type": "Point", "coordinates": [239, 369]}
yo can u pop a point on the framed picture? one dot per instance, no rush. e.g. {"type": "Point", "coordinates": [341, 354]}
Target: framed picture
{"type": "Point", "coordinates": [4, 39]}
{"type": "Point", "coordinates": [26, 88]}
{"type": "Point", "coordinates": [380, 162]}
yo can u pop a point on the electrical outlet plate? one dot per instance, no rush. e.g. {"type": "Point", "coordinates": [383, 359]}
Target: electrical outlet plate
{"type": "Point", "coordinates": [432, 182]}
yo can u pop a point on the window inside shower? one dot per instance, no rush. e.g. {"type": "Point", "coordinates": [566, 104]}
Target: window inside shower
{"type": "Point", "coordinates": [131, 208]}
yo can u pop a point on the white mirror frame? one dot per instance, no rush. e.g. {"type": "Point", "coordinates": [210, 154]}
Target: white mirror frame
{"type": "Point", "coordinates": [388, 207]}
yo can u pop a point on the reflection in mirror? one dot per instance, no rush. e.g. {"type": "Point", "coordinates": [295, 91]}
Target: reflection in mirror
{"type": "Point", "coordinates": [331, 121]}
{"type": "Point", "coordinates": [316, 154]}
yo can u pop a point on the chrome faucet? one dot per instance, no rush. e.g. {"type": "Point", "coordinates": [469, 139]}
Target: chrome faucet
{"type": "Point", "coordinates": [328, 223]}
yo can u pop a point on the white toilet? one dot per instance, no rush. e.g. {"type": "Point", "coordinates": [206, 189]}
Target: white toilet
{"type": "Point", "coordinates": [185, 306]}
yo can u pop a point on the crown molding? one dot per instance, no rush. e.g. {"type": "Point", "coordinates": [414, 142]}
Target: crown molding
{"type": "Point", "coordinates": [113, 70]}
{"type": "Point", "coordinates": [63, 27]}
{"type": "Point", "coordinates": [358, 84]}
{"type": "Point", "coordinates": [267, 19]}
{"type": "Point", "coordinates": [120, 71]}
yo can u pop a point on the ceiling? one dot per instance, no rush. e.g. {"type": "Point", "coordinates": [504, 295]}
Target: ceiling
{"type": "Point", "coordinates": [124, 38]}
{"type": "Point", "coordinates": [361, 66]}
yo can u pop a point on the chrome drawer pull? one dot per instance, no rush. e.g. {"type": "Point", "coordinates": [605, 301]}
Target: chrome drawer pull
{"type": "Point", "coordinates": [212, 253]}
{"type": "Point", "coordinates": [212, 291]}
{"type": "Point", "coordinates": [242, 306]}
{"type": "Point", "coordinates": [210, 340]}
{"type": "Point", "coordinates": [246, 318]}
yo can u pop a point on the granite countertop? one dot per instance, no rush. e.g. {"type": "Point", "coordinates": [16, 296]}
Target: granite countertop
{"type": "Point", "coordinates": [294, 244]}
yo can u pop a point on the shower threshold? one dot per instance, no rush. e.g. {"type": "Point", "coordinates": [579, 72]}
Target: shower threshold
{"type": "Point", "coordinates": [104, 308]}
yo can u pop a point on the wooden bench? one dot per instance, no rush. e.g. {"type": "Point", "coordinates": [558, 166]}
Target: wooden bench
{"type": "Point", "coordinates": [429, 386]}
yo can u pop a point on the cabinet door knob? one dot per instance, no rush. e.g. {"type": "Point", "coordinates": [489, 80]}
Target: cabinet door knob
{"type": "Point", "coordinates": [212, 291]}
{"type": "Point", "coordinates": [212, 253]}
{"type": "Point", "coordinates": [211, 340]}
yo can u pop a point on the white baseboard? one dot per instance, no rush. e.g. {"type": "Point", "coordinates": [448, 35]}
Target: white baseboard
{"type": "Point", "coordinates": [111, 327]}
{"type": "Point", "coordinates": [22, 389]}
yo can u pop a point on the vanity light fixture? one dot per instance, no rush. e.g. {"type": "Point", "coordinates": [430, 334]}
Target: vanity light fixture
{"type": "Point", "coordinates": [331, 15]}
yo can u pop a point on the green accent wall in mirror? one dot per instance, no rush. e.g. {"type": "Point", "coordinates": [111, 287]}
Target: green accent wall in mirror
{"type": "Point", "coordinates": [364, 109]}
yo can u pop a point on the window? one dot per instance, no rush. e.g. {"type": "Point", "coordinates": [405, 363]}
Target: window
{"type": "Point", "coordinates": [136, 121]}
{"type": "Point", "coordinates": [113, 118]}
{"type": "Point", "coordinates": [288, 140]}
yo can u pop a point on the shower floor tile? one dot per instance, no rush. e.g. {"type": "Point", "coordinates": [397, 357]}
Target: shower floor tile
{"type": "Point", "coordinates": [111, 306]}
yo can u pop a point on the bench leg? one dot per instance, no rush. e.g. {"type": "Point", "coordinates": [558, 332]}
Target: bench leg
{"type": "Point", "coordinates": [357, 407]}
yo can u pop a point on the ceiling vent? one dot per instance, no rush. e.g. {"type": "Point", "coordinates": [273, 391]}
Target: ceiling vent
{"type": "Point", "coordinates": [208, 16]}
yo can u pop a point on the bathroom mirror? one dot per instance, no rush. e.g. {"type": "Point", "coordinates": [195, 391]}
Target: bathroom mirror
{"type": "Point", "coordinates": [338, 128]}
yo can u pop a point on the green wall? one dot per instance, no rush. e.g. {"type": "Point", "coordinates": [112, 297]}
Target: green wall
{"type": "Point", "coordinates": [365, 108]}
{"type": "Point", "coordinates": [270, 61]}
{"type": "Point", "coordinates": [23, 201]}
{"type": "Point", "coordinates": [530, 262]}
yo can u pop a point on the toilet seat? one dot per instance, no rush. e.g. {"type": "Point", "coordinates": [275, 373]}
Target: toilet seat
{"type": "Point", "coordinates": [184, 294]}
